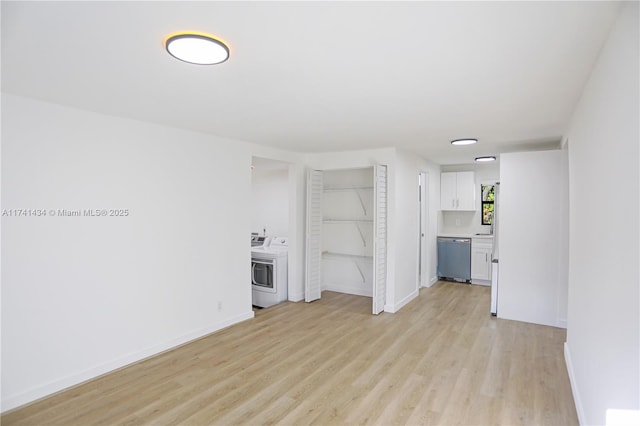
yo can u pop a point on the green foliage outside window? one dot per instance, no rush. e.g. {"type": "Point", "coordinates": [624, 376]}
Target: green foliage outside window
{"type": "Point", "coordinates": [488, 198]}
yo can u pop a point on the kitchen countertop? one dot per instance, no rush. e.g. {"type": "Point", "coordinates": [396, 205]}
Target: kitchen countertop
{"type": "Point", "coordinates": [455, 235]}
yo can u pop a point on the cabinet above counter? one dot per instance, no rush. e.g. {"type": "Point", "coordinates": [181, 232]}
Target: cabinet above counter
{"type": "Point", "coordinates": [457, 191]}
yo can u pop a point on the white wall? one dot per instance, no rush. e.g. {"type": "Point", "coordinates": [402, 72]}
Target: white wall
{"type": "Point", "coordinates": [407, 226]}
{"type": "Point", "coordinates": [563, 249]}
{"type": "Point", "coordinates": [433, 212]}
{"type": "Point", "coordinates": [270, 199]}
{"type": "Point", "coordinates": [532, 238]}
{"type": "Point", "coordinates": [84, 295]}
{"type": "Point", "coordinates": [297, 234]}
{"type": "Point", "coordinates": [603, 342]}
{"type": "Point", "coordinates": [407, 229]}
{"type": "Point", "coordinates": [452, 222]}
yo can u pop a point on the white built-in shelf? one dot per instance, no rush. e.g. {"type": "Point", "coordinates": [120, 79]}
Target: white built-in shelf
{"type": "Point", "coordinates": [331, 254]}
{"type": "Point", "coordinates": [347, 188]}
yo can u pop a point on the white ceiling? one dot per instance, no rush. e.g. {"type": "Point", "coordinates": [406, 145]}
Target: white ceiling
{"type": "Point", "coordinates": [320, 76]}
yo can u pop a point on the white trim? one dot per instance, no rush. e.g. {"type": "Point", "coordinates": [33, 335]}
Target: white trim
{"type": "Point", "coordinates": [562, 323]}
{"type": "Point", "coordinates": [423, 263]}
{"type": "Point", "coordinates": [433, 280]}
{"type": "Point", "coordinates": [396, 307]}
{"type": "Point", "coordinates": [574, 386]}
{"type": "Point", "coordinates": [296, 297]}
{"type": "Point", "coordinates": [616, 417]}
{"type": "Point", "coordinates": [64, 383]}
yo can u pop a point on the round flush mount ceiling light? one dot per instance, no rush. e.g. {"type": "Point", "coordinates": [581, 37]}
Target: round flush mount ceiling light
{"type": "Point", "coordinates": [466, 141]}
{"type": "Point", "coordinates": [197, 48]}
{"type": "Point", "coordinates": [486, 158]}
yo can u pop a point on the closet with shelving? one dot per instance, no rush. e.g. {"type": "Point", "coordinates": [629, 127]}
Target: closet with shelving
{"type": "Point", "coordinates": [346, 244]}
{"type": "Point", "coordinates": [347, 231]}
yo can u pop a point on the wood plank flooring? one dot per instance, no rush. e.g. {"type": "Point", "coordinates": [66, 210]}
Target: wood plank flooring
{"type": "Point", "coordinates": [441, 360]}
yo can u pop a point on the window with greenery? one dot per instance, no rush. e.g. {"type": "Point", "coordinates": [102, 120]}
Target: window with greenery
{"type": "Point", "coordinates": [488, 197]}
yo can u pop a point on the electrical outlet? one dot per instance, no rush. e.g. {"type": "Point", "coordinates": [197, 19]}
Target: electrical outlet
{"type": "Point", "coordinates": [220, 305]}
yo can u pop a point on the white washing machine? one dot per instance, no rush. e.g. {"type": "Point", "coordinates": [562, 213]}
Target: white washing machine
{"type": "Point", "coordinates": [269, 276]}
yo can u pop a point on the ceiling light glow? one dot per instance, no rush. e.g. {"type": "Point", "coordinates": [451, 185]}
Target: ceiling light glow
{"type": "Point", "coordinates": [197, 48]}
{"type": "Point", "coordinates": [466, 141]}
{"type": "Point", "coordinates": [486, 158]}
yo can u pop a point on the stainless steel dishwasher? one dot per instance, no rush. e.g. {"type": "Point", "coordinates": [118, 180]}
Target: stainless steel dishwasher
{"type": "Point", "coordinates": [454, 258]}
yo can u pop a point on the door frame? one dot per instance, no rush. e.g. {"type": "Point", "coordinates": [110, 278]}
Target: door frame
{"type": "Point", "coordinates": [424, 236]}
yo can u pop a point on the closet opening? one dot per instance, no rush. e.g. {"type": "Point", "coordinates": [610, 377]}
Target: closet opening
{"type": "Point", "coordinates": [270, 183]}
{"type": "Point", "coordinates": [346, 233]}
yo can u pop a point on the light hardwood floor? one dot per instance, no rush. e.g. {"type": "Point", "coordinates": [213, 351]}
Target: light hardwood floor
{"type": "Point", "coordinates": [441, 360]}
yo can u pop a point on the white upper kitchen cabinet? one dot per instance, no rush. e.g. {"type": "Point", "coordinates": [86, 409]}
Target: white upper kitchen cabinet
{"type": "Point", "coordinates": [457, 191]}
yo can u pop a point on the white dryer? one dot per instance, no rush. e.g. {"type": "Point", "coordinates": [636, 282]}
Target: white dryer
{"type": "Point", "coordinates": [269, 279]}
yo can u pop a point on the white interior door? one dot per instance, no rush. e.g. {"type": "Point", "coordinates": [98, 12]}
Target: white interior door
{"type": "Point", "coordinates": [380, 238]}
{"type": "Point", "coordinates": [312, 289]}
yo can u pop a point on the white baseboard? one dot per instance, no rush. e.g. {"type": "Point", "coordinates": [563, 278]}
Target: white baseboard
{"type": "Point", "coordinates": [295, 292]}
{"type": "Point", "coordinates": [13, 401]}
{"type": "Point", "coordinates": [296, 297]}
{"type": "Point", "coordinates": [430, 282]}
{"type": "Point", "coordinates": [393, 308]}
{"type": "Point", "coordinates": [574, 386]}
